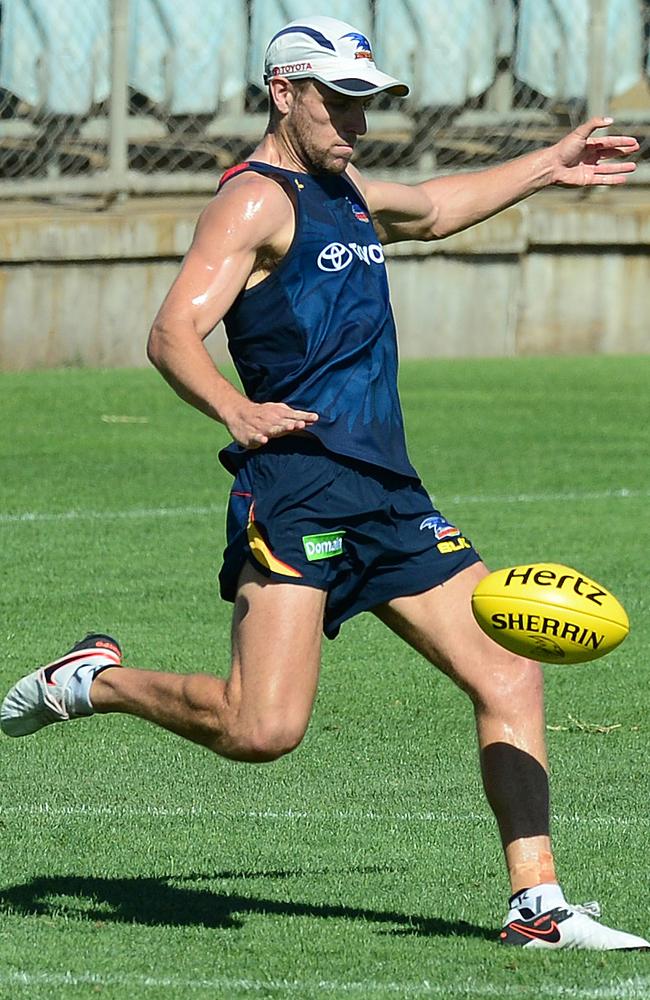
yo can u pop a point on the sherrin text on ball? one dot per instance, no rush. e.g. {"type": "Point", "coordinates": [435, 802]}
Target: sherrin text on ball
{"type": "Point", "coordinates": [549, 612]}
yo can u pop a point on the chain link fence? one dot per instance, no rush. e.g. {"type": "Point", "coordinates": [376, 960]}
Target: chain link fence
{"type": "Point", "coordinates": [115, 96]}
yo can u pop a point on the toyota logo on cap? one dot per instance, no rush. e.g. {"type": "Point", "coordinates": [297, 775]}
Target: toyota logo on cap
{"type": "Point", "coordinates": [334, 257]}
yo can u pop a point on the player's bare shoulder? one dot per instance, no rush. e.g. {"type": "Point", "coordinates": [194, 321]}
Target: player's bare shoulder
{"type": "Point", "coordinates": [251, 212]}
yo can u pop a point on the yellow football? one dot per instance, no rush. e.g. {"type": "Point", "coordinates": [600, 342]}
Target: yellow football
{"type": "Point", "coordinates": [549, 612]}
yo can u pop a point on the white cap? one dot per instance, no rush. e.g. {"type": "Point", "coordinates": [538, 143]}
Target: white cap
{"type": "Point", "coordinates": [331, 51]}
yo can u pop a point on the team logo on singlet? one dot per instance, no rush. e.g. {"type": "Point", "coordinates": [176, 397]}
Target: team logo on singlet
{"type": "Point", "coordinates": [440, 527]}
{"type": "Point", "coordinates": [359, 213]}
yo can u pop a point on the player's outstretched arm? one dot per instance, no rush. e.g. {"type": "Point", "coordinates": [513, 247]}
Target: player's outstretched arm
{"type": "Point", "coordinates": [250, 216]}
{"type": "Point", "coordinates": [445, 205]}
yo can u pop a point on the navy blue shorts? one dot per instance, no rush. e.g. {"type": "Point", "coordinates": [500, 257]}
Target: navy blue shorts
{"type": "Point", "coordinates": [303, 515]}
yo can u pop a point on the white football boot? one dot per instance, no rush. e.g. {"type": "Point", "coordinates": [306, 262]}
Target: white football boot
{"type": "Point", "coordinates": [563, 926]}
{"type": "Point", "coordinates": [60, 690]}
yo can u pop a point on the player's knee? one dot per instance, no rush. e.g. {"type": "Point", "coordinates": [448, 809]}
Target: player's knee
{"type": "Point", "coordinates": [270, 739]}
{"type": "Point", "coordinates": [509, 684]}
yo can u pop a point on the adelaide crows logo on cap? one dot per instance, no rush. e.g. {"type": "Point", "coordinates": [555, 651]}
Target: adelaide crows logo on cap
{"type": "Point", "coordinates": [363, 50]}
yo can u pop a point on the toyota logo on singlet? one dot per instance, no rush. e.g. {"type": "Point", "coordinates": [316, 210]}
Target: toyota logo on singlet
{"type": "Point", "coordinates": [335, 257]}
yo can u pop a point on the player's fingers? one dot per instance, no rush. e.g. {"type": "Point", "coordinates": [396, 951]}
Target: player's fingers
{"type": "Point", "coordinates": [610, 172]}
{"type": "Point", "coordinates": [609, 179]}
{"type": "Point", "coordinates": [300, 414]}
{"type": "Point", "coordinates": [615, 168]}
{"type": "Point", "coordinates": [615, 145]}
{"type": "Point", "coordinates": [585, 130]}
{"type": "Point", "coordinates": [614, 140]}
{"type": "Point", "coordinates": [287, 427]}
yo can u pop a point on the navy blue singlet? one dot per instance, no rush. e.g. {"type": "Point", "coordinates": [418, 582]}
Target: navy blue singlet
{"type": "Point", "coordinates": [318, 333]}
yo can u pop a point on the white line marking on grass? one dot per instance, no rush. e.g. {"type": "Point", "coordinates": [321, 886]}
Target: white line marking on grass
{"type": "Point", "coordinates": [34, 517]}
{"type": "Point", "coordinates": [626, 989]}
{"type": "Point", "coordinates": [129, 812]}
{"type": "Point", "coordinates": [619, 494]}
{"type": "Point", "coordinates": [81, 810]}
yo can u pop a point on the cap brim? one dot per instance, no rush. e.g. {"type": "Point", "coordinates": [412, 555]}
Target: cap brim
{"type": "Point", "coordinates": [364, 86]}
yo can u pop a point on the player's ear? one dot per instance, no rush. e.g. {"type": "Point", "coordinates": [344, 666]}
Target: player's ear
{"type": "Point", "coordinates": [282, 94]}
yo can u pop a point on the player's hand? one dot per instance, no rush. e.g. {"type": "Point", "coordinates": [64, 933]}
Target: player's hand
{"type": "Point", "coordinates": [582, 160]}
{"type": "Point", "coordinates": [254, 424]}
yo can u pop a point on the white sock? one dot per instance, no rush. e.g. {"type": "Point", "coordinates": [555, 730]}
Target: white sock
{"type": "Point", "coordinates": [77, 695]}
{"type": "Point", "coordinates": [537, 899]}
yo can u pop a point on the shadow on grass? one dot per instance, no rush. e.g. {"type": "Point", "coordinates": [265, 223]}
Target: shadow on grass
{"type": "Point", "coordinates": [167, 902]}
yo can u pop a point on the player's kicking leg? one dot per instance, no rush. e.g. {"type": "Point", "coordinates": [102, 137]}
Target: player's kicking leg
{"type": "Point", "coordinates": [507, 693]}
{"type": "Point", "coordinates": [259, 713]}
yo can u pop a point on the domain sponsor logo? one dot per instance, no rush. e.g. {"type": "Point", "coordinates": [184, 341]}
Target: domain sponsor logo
{"type": "Point", "coordinates": [324, 546]}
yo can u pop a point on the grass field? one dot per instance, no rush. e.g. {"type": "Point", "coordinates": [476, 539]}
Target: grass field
{"type": "Point", "coordinates": [367, 864]}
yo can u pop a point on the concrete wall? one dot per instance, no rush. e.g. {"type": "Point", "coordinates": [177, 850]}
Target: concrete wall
{"type": "Point", "coordinates": [563, 272]}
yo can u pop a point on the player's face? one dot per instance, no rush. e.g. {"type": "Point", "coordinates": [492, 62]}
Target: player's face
{"type": "Point", "coordinates": [323, 127]}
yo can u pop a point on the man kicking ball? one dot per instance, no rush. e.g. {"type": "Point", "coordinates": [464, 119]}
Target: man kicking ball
{"type": "Point", "coordinates": [327, 516]}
